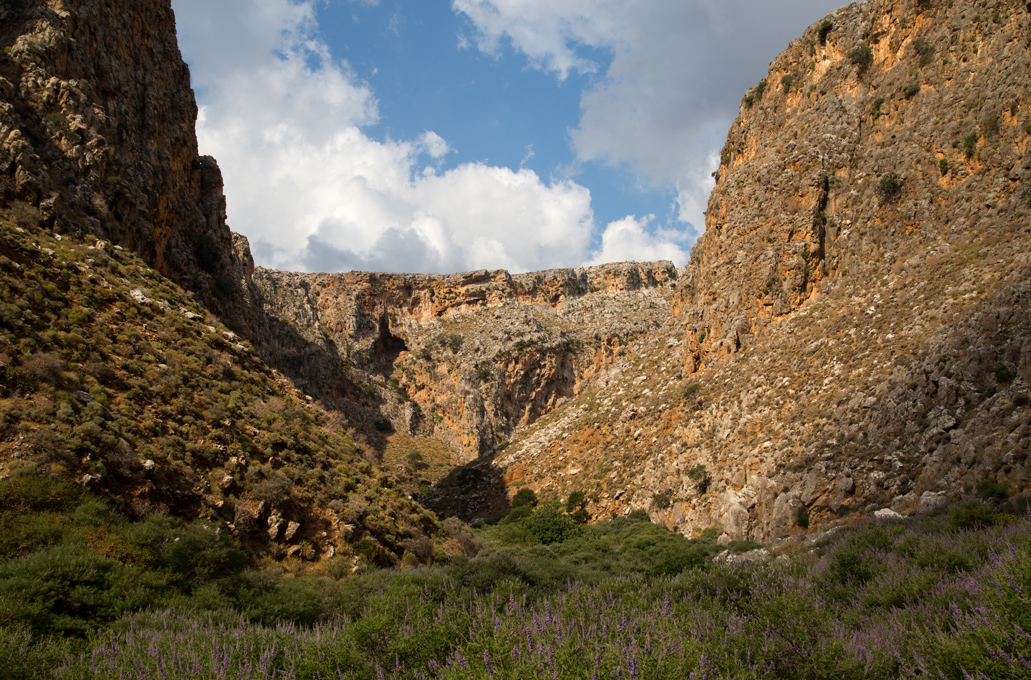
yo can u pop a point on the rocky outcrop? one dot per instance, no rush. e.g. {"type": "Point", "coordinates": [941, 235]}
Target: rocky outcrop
{"type": "Point", "coordinates": [464, 358]}
{"type": "Point", "coordinates": [97, 136]}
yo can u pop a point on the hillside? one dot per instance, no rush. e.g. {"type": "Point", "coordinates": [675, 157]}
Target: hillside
{"type": "Point", "coordinates": [852, 330]}
{"type": "Point", "coordinates": [118, 277]}
{"type": "Point", "coordinates": [204, 464]}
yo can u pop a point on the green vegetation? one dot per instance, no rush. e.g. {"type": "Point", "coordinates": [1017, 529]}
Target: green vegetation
{"type": "Point", "coordinates": [924, 50]}
{"type": "Point", "coordinates": [970, 144]}
{"type": "Point", "coordinates": [861, 57]}
{"type": "Point", "coordinates": [524, 496]}
{"type": "Point", "coordinates": [943, 166]}
{"type": "Point", "coordinates": [875, 108]}
{"type": "Point", "coordinates": [824, 30]}
{"type": "Point", "coordinates": [109, 370]}
{"type": "Point", "coordinates": [911, 90]}
{"type": "Point", "coordinates": [889, 188]}
{"type": "Point", "coordinates": [788, 81]}
{"type": "Point", "coordinates": [939, 595]}
{"type": "Point", "coordinates": [991, 126]}
{"type": "Point", "coordinates": [755, 94]}
{"type": "Point", "coordinates": [991, 490]}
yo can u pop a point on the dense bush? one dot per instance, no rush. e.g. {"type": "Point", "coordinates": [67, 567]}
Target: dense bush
{"type": "Point", "coordinates": [861, 57]}
{"type": "Point", "coordinates": [826, 26]}
{"type": "Point", "coordinates": [889, 188]}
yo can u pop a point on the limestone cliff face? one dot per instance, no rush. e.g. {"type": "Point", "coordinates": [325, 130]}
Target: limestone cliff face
{"type": "Point", "coordinates": [464, 358]}
{"type": "Point", "coordinates": [932, 94]}
{"type": "Point", "coordinates": [853, 331]}
{"type": "Point", "coordinates": [97, 136]}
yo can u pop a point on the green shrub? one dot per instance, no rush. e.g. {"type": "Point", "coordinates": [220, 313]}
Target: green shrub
{"type": "Point", "coordinates": [924, 50]}
{"type": "Point", "coordinates": [970, 144]}
{"type": "Point", "coordinates": [875, 108]}
{"type": "Point", "coordinates": [700, 476]}
{"type": "Point", "coordinates": [862, 58]}
{"type": "Point", "coordinates": [575, 501]}
{"type": "Point", "coordinates": [911, 90]}
{"type": "Point", "coordinates": [788, 81]}
{"type": "Point", "coordinates": [1004, 375]}
{"type": "Point", "coordinates": [755, 94]}
{"type": "Point", "coordinates": [661, 500]}
{"type": "Point", "coordinates": [825, 28]}
{"type": "Point", "coordinates": [889, 188]}
{"type": "Point", "coordinates": [802, 519]}
{"type": "Point", "coordinates": [991, 490]}
{"type": "Point", "coordinates": [524, 496]}
{"type": "Point", "coordinates": [57, 122]}
{"type": "Point", "coordinates": [943, 166]}
{"type": "Point", "coordinates": [991, 126]}
{"type": "Point", "coordinates": [517, 513]}
{"type": "Point", "coordinates": [549, 525]}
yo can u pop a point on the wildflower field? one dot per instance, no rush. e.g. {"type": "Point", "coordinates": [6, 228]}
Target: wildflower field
{"type": "Point", "coordinates": [942, 595]}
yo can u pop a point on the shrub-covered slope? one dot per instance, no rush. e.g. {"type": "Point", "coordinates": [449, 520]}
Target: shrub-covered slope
{"type": "Point", "coordinates": [114, 376]}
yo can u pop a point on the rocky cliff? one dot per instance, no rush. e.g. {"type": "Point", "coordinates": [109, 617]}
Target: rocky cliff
{"type": "Point", "coordinates": [854, 323]}
{"type": "Point", "coordinates": [465, 359]}
{"type": "Point", "coordinates": [97, 136]}
{"type": "Point", "coordinates": [110, 372]}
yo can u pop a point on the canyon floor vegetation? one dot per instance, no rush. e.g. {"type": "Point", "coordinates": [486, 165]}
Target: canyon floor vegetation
{"type": "Point", "coordinates": [89, 592]}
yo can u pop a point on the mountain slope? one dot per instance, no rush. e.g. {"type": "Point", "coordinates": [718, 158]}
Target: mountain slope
{"type": "Point", "coordinates": [855, 320]}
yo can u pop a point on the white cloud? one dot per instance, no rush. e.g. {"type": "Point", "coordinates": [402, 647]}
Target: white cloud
{"type": "Point", "coordinates": [678, 70]}
{"type": "Point", "coordinates": [312, 191]}
{"type": "Point", "coordinates": [434, 144]}
{"type": "Point", "coordinates": [630, 239]}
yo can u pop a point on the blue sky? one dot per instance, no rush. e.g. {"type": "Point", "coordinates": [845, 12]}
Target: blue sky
{"type": "Point", "coordinates": [447, 135]}
{"type": "Point", "coordinates": [494, 109]}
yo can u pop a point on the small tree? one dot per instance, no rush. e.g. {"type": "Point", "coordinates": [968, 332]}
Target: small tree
{"type": "Point", "coordinates": [575, 501]}
{"type": "Point", "coordinates": [825, 28]}
{"type": "Point", "coordinates": [970, 144]}
{"type": "Point", "coordinates": [889, 189]}
{"type": "Point", "coordinates": [525, 497]}
{"type": "Point", "coordinates": [862, 58]}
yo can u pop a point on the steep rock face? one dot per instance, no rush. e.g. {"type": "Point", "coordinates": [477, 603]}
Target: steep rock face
{"type": "Point", "coordinates": [464, 358]}
{"type": "Point", "coordinates": [97, 136]}
{"type": "Point", "coordinates": [854, 326]}
{"type": "Point", "coordinates": [926, 100]}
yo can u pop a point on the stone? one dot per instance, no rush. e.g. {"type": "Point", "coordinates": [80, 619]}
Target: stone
{"type": "Point", "coordinates": [735, 521]}
{"type": "Point", "coordinates": [887, 513]}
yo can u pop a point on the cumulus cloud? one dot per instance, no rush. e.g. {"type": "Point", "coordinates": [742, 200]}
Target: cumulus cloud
{"type": "Point", "coordinates": [313, 191]}
{"type": "Point", "coordinates": [677, 71]}
{"type": "Point", "coordinates": [631, 239]}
